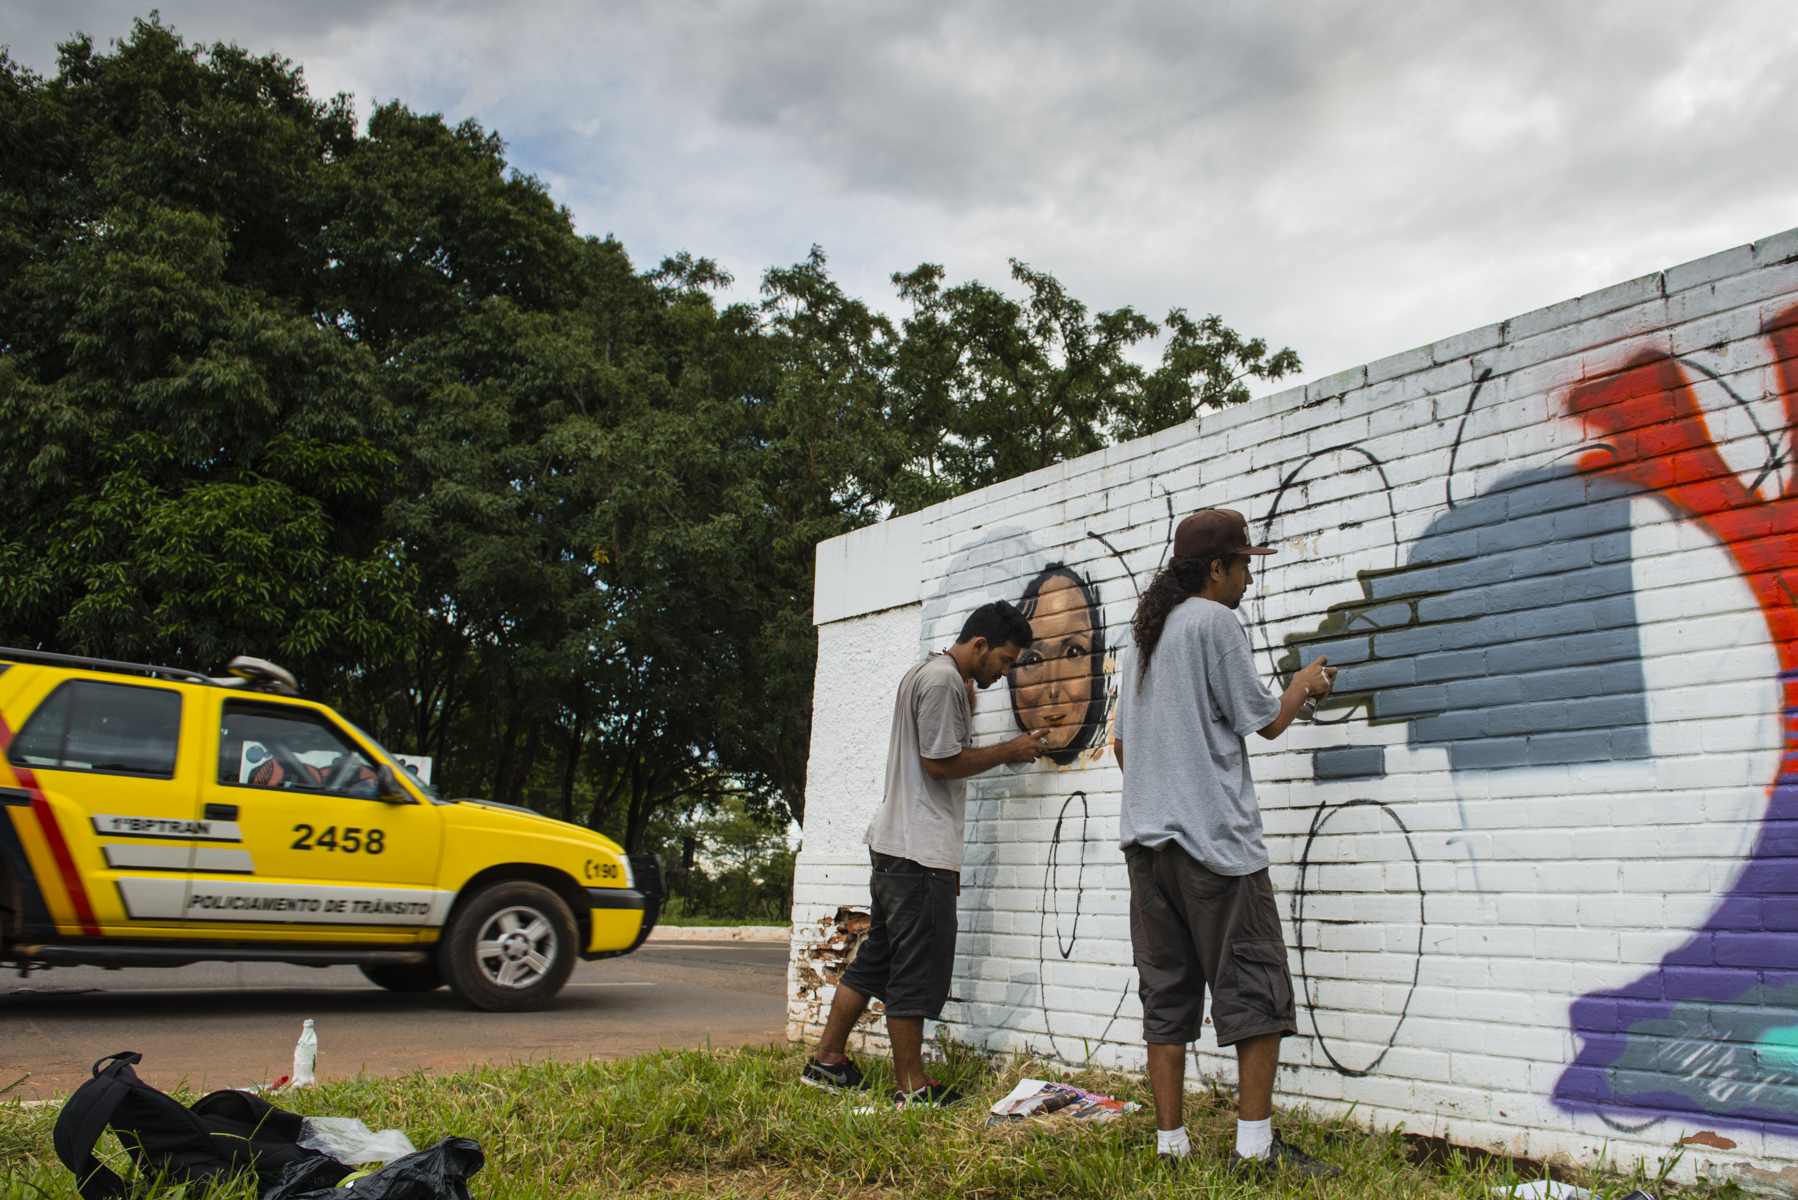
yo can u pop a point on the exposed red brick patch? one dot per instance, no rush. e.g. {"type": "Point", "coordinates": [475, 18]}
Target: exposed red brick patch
{"type": "Point", "coordinates": [1705, 1137]}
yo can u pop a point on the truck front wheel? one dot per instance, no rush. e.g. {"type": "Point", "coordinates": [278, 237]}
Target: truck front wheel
{"type": "Point", "coordinates": [510, 948]}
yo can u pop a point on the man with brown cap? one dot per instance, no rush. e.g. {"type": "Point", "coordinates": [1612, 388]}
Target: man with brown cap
{"type": "Point", "coordinates": [1202, 911]}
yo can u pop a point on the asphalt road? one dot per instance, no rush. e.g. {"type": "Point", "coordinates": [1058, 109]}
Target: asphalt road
{"type": "Point", "coordinates": [217, 1025]}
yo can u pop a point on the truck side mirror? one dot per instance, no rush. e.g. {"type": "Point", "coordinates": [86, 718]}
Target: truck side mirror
{"type": "Point", "coordinates": [387, 787]}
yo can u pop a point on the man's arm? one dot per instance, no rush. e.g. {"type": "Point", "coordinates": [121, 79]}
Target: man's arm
{"type": "Point", "coordinates": [1117, 751]}
{"type": "Point", "coordinates": [1025, 748]}
{"type": "Point", "coordinates": [1314, 681]}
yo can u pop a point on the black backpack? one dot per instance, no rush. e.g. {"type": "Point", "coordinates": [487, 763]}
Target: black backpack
{"type": "Point", "coordinates": [223, 1134]}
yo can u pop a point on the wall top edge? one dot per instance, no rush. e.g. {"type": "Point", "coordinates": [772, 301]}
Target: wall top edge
{"type": "Point", "coordinates": [869, 570]}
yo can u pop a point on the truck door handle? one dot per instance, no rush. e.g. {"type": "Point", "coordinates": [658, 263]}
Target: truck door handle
{"type": "Point", "coordinates": [221, 812]}
{"type": "Point", "coordinates": [17, 797]}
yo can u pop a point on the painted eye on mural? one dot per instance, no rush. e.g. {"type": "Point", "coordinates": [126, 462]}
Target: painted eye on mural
{"type": "Point", "coordinates": [1075, 650]}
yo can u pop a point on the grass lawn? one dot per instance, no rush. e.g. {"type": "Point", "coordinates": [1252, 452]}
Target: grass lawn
{"type": "Point", "coordinates": [737, 1124]}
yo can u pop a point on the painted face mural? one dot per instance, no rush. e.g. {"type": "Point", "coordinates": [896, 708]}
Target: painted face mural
{"type": "Point", "coordinates": [1058, 685]}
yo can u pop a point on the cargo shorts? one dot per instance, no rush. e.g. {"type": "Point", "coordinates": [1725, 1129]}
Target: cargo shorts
{"type": "Point", "coordinates": [908, 958]}
{"type": "Point", "coordinates": [1193, 929]}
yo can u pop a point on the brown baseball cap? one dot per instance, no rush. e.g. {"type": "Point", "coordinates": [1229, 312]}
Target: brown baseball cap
{"type": "Point", "coordinates": [1213, 531]}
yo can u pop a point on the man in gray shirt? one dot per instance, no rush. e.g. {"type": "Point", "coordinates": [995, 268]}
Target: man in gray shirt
{"type": "Point", "coordinates": [915, 845]}
{"type": "Point", "coordinates": [1202, 908]}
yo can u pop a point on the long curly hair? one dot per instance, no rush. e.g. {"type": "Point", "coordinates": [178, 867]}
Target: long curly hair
{"type": "Point", "coordinates": [1173, 584]}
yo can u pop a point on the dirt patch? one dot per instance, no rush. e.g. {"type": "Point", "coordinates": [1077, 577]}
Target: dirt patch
{"type": "Point", "coordinates": [1434, 1154]}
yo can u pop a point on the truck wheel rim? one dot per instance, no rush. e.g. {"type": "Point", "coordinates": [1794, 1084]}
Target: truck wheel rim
{"type": "Point", "coordinates": [517, 947]}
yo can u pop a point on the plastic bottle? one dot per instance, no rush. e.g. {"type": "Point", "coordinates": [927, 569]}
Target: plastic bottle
{"type": "Point", "coordinates": [305, 1056]}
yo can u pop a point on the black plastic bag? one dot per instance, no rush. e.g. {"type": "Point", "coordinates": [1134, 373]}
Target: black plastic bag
{"type": "Point", "coordinates": [434, 1174]}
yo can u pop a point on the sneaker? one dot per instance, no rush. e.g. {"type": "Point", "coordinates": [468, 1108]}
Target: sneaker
{"type": "Point", "coordinates": [931, 1095]}
{"type": "Point", "coordinates": [1284, 1156]}
{"type": "Point", "coordinates": [833, 1077]}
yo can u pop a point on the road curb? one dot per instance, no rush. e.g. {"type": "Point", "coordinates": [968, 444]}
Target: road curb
{"type": "Point", "coordinates": [721, 933]}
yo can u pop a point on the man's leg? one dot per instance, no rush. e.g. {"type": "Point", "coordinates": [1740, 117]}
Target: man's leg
{"type": "Point", "coordinates": [846, 1008]}
{"type": "Point", "coordinates": [923, 909]}
{"type": "Point", "coordinates": [831, 1068]}
{"type": "Point", "coordinates": [907, 1036]}
{"type": "Point", "coordinates": [1257, 1060]}
{"type": "Point", "coordinates": [1172, 988]}
{"type": "Point", "coordinates": [1167, 1080]}
{"type": "Point", "coordinates": [1253, 1010]}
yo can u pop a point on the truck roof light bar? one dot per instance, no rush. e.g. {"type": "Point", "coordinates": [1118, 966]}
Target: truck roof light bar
{"type": "Point", "coordinates": [101, 664]}
{"type": "Point", "coordinates": [253, 674]}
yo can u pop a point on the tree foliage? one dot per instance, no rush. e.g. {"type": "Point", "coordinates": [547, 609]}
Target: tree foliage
{"type": "Point", "coordinates": [363, 402]}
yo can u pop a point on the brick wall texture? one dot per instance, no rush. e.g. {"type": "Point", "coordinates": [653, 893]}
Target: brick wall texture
{"type": "Point", "coordinates": [1539, 858]}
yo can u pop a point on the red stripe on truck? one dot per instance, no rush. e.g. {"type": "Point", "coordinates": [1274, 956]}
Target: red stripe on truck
{"type": "Point", "coordinates": [59, 846]}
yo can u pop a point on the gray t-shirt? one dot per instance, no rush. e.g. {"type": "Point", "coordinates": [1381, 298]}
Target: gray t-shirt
{"type": "Point", "coordinates": [1186, 765]}
{"type": "Point", "coordinates": [921, 818]}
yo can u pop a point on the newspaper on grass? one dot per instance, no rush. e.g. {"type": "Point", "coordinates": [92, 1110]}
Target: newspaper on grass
{"type": "Point", "coordinates": [1548, 1189]}
{"type": "Point", "coordinates": [1046, 1102]}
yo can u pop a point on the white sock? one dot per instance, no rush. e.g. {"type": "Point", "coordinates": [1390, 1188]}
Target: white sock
{"type": "Point", "coordinates": [1254, 1138]}
{"type": "Point", "coordinates": [1173, 1141]}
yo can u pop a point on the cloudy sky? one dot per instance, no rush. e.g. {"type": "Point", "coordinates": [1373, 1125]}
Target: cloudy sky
{"type": "Point", "coordinates": [1350, 179]}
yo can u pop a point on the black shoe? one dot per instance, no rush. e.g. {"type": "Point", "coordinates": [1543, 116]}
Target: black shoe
{"type": "Point", "coordinates": [833, 1077]}
{"type": "Point", "coordinates": [1284, 1156]}
{"type": "Point", "coordinates": [931, 1095]}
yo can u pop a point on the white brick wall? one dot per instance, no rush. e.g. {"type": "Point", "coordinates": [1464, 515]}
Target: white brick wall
{"type": "Point", "coordinates": [1555, 918]}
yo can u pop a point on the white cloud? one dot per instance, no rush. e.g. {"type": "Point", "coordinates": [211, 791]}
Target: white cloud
{"type": "Point", "coordinates": [1348, 179]}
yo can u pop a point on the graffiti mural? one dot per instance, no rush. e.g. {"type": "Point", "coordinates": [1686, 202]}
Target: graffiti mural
{"type": "Point", "coordinates": [1539, 850]}
{"type": "Point", "coordinates": [1472, 647]}
{"type": "Point", "coordinates": [1714, 1028]}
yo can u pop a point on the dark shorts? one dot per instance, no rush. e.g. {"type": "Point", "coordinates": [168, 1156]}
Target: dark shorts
{"type": "Point", "coordinates": [1191, 929]}
{"type": "Point", "coordinates": [909, 954]}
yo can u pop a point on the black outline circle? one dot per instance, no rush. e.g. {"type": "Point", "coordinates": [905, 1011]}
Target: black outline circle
{"type": "Point", "coordinates": [1318, 820]}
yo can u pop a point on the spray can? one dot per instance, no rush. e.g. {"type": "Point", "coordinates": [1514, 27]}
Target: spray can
{"type": "Point", "coordinates": [305, 1056]}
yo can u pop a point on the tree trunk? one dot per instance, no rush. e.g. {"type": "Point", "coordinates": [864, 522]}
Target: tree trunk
{"type": "Point", "coordinates": [444, 715]}
{"type": "Point", "coordinates": [521, 778]}
{"type": "Point", "coordinates": [570, 765]}
{"type": "Point", "coordinates": [502, 767]}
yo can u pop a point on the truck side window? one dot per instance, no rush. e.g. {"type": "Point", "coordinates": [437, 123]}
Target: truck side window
{"type": "Point", "coordinates": [292, 749]}
{"type": "Point", "coordinates": [109, 728]}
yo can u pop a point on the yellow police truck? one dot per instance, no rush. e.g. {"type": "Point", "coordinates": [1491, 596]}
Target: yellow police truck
{"type": "Point", "coordinates": [152, 816]}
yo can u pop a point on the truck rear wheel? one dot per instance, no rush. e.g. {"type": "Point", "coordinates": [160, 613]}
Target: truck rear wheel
{"type": "Point", "coordinates": [510, 948]}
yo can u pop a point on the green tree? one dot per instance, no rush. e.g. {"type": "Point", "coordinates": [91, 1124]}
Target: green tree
{"type": "Point", "coordinates": [366, 404]}
{"type": "Point", "coordinates": [196, 465]}
{"type": "Point", "coordinates": [988, 387]}
{"type": "Point", "coordinates": [1016, 385]}
{"type": "Point", "coordinates": [743, 868]}
{"type": "Point", "coordinates": [1204, 364]}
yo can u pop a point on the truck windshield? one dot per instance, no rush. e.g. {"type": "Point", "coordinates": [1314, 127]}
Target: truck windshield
{"type": "Point", "coordinates": [394, 762]}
